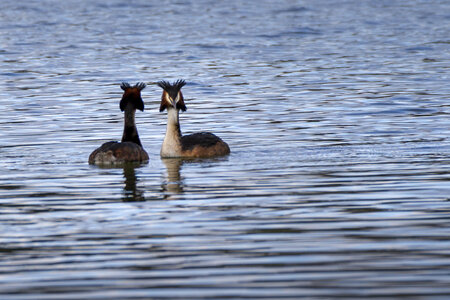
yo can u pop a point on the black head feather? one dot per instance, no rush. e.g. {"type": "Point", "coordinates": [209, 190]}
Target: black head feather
{"type": "Point", "coordinates": [125, 86]}
{"type": "Point", "coordinates": [140, 86]}
{"type": "Point", "coordinates": [172, 89]}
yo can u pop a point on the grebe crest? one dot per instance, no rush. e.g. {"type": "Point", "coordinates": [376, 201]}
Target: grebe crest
{"type": "Point", "coordinates": [202, 144]}
{"type": "Point", "coordinates": [130, 148]}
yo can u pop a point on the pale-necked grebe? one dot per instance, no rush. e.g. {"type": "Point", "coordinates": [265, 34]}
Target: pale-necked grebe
{"type": "Point", "coordinates": [130, 148]}
{"type": "Point", "coordinates": [202, 144]}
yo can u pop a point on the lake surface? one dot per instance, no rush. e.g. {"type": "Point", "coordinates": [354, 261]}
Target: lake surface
{"type": "Point", "coordinates": [337, 115]}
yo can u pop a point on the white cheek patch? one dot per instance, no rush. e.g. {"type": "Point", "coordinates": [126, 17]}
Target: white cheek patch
{"type": "Point", "coordinates": [168, 99]}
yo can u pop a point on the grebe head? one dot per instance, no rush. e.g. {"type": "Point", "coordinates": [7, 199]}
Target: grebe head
{"type": "Point", "coordinates": [172, 96]}
{"type": "Point", "coordinates": [132, 94]}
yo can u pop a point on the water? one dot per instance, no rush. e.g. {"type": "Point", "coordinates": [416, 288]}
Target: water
{"type": "Point", "coordinates": [336, 113]}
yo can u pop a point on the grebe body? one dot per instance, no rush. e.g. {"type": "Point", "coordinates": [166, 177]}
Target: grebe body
{"type": "Point", "coordinates": [202, 144]}
{"type": "Point", "coordinates": [130, 148]}
{"type": "Point", "coordinates": [118, 153]}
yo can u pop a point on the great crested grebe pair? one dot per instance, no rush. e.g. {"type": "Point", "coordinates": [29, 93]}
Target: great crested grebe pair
{"type": "Point", "coordinates": [202, 144]}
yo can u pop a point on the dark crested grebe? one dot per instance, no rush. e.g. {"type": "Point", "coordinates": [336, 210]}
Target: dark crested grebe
{"type": "Point", "coordinates": [202, 144]}
{"type": "Point", "coordinates": [130, 148]}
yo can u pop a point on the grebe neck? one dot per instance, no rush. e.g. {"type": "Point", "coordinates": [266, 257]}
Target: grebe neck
{"type": "Point", "coordinates": [173, 123]}
{"type": "Point", "coordinates": [130, 133]}
{"type": "Point", "coordinates": [172, 141]}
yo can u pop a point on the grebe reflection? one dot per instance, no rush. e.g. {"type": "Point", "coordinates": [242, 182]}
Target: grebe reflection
{"type": "Point", "coordinates": [173, 182]}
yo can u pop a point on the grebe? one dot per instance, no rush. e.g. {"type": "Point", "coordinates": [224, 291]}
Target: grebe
{"type": "Point", "coordinates": [130, 148]}
{"type": "Point", "coordinates": [202, 144]}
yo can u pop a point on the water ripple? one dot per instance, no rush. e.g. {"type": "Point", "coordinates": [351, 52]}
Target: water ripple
{"type": "Point", "coordinates": [337, 185]}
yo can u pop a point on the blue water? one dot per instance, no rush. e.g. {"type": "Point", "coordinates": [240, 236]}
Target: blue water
{"type": "Point", "coordinates": [337, 115]}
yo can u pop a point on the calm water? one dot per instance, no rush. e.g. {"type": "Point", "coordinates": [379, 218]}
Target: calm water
{"type": "Point", "coordinates": [337, 114]}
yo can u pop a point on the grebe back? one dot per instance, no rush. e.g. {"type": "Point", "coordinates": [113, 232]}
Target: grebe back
{"type": "Point", "coordinates": [130, 148]}
{"type": "Point", "coordinates": [202, 144]}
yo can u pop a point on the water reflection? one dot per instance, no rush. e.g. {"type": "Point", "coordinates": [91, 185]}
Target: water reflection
{"type": "Point", "coordinates": [130, 191]}
{"type": "Point", "coordinates": [173, 183]}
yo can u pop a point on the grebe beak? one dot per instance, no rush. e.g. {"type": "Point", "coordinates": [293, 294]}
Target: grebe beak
{"type": "Point", "coordinates": [173, 102]}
